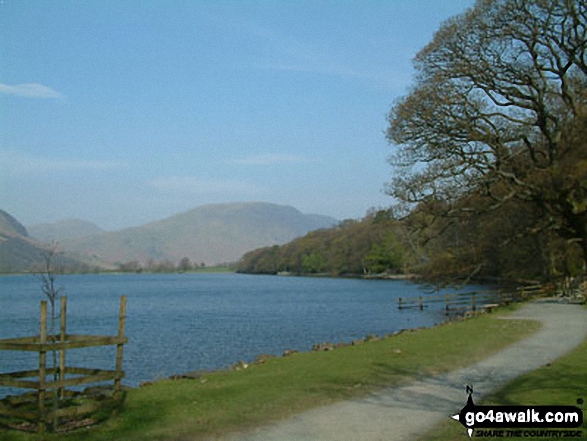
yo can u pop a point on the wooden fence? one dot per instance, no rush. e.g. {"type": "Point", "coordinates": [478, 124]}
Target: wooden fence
{"type": "Point", "coordinates": [469, 301]}
{"type": "Point", "coordinates": [52, 401]}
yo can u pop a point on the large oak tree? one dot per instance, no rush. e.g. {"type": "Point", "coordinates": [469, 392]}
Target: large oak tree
{"type": "Point", "coordinates": [498, 113]}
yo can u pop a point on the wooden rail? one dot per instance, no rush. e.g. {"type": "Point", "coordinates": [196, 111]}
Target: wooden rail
{"type": "Point", "coordinates": [469, 301]}
{"type": "Point", "coordinates": [50, 394]}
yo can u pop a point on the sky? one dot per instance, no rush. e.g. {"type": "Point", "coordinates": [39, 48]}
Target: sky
{"type": "Point", "coordinates": [122, 112]}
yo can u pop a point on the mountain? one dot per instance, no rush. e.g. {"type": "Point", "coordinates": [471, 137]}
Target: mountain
{"type": "Point", "coordinates": [210, 234]}
{"type": "Point", "coordinates": [19, 252]}
{"type": "Point", "coordinates": [63, 230]}
{"type": "Point", "coordinates": [10, 226]}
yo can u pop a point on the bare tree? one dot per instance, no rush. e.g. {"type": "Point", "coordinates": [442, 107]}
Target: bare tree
{"type": "Point", "coordinates": [49, 287]}
{"type": "Point", "coordinates": [499, 113]}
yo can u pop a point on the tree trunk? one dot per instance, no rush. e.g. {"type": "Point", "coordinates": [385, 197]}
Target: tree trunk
{"type": "Point", "coordinates": [579, 225]}
{"type": "Point", "coordinates": [584, 247]}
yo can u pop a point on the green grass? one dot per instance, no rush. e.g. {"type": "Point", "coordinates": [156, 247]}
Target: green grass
{"type": "Point", "coordinates": [237, 400]}
{"type": "Point", "coordinates": [560, 383]}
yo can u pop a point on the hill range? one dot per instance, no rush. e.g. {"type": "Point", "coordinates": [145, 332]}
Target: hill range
{"type": "Point", "coordinates": [19, 252]}
{"type": "Point", "coordinates": [209, 234]}
{"type": "Point", "coordinates": [63, 230]}
{"type": "Point", "coordinates": [17, 249]}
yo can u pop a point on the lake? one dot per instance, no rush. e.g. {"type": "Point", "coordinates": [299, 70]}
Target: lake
{"type": "Point", "coordinates": [184, 322]}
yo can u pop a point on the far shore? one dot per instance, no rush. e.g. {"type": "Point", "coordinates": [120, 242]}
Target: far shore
{"type": "Point", "coordinates": [203, 270]}
{"type": "Point", "coordinates": [379, 276]}
{"type": "Point", "coordinates": [229, 269]}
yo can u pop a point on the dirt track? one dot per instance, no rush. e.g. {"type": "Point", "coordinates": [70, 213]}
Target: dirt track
{"type": "Point", "coordinates": [410, 411]}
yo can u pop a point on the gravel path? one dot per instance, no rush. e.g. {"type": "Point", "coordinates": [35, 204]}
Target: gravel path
{"type": "Point", "coordinates": [410, 411]}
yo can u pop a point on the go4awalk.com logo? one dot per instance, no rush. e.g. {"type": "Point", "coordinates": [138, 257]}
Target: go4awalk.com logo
{"type": "Point", "coordinates": [520, 421]}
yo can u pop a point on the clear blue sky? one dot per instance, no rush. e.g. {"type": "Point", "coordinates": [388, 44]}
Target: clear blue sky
{"type": "Point", "coordinates": [123, 112]}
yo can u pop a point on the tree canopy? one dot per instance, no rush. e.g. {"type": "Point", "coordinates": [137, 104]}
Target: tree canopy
{"type": "Point", "coordinates": [498, 115]}
{"type": "Point", "coordinates": [370, 246]}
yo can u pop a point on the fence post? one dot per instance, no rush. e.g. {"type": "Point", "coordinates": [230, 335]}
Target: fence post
{"type": "Point", "coordinates": [62, 338]}
{"type": "Point", "coordinates": [400, 303]}
{"type": "Point", "coordinates": [42, 368]}
{"type": "Point", "coordinates": [473, 302]}
{"type": "Point", "coordinates": [119, 347]}
{"type": "Point", "coordinates": [421, 303]}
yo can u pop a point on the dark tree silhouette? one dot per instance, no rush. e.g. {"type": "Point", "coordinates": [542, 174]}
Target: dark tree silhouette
{"type": "Point", "coordinates": [498, 113]}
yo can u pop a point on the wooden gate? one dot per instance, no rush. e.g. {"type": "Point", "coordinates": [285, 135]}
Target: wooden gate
{"type": "Point", "coordinates": [51, 405]}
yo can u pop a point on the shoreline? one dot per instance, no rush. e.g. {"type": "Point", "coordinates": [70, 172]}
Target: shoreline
{"type": "Point", "coordinates": [208, 270]}
{"type": "Point", "coordinates": [381, 276]}
{"type": "Point", "coordinates": [410, 277]}
{"type": "Point", "coordinates": [316, 347]}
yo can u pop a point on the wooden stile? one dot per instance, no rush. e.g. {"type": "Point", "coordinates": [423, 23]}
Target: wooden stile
{"type": "Point", "coordinates": [55, 391]}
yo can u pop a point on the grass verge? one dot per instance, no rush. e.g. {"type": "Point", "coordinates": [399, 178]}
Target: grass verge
{"type": "Point", "coordinates": [234, 401]}
{"type": "Point", "coordinates": [560, 383]}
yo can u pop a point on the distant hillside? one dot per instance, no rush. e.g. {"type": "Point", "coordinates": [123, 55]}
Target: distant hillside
{"type": "Point", "coordinates": [17, 250]}
{"type": "Point", "coordinates": [208, 234]}
{"type": "Point", "coordinates": [9, 225]}
{"type": "Point", "coordinates": [63, 230]}
{"type": "Point", "coordinates": [21, 253]}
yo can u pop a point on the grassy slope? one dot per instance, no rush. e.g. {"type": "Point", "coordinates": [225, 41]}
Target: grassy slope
{"type": "Point", "coordinates": [562, 383]}
{"type": "Point", "coordinates": [232, 401]}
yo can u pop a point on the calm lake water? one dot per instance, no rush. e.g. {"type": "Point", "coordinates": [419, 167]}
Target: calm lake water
{"type": "Point", "coordinates": [183, 322]}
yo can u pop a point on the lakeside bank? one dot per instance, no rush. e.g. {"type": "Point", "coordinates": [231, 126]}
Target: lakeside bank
{"type": "Point", "coordinates": [229, 401]}
{"type": "Point", "coordinates": [185, 322]}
